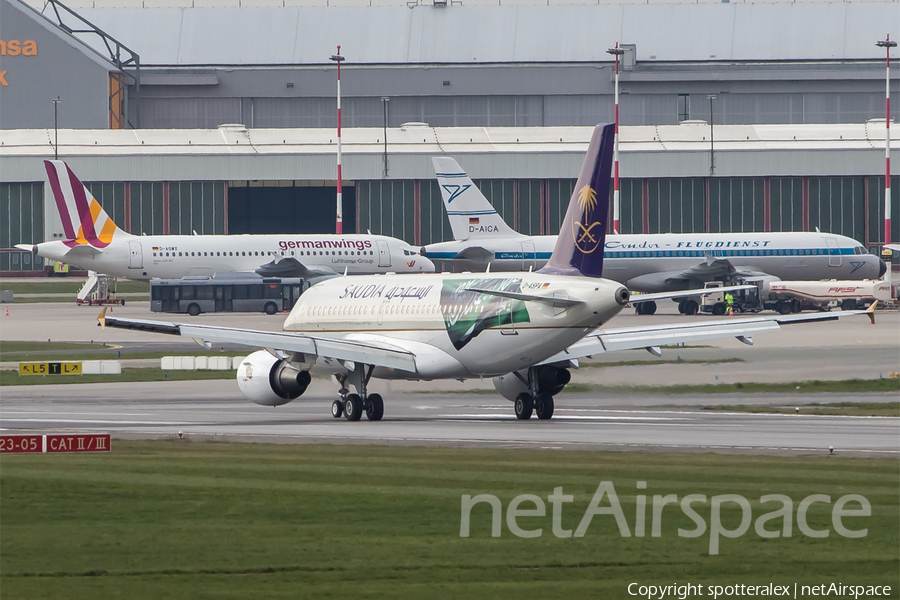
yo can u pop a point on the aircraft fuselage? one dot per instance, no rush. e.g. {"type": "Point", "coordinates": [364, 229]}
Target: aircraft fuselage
{"type": "Point", "coordinates": [786, 255]}
{"type": "Point", "coordinates": [176, 256]}
{"type": "Point", "coordinates": [456, 333]}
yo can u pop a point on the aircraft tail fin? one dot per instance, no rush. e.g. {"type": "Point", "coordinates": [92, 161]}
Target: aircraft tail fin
{"type": "Point", "coordinates": [83, 219]}
{"type": "Point", "coordinates": [471, 216]}
{"type": "Point", "coordinates": [582, 236]}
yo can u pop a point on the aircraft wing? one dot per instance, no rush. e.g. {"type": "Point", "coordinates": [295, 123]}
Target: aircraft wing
{"type": "Point", "coordinates": [370, 353]}
{"type": "Point", "coordinates": [711, 268]}
{"type": "Point", "coordinates": [652, 337]}
{"type": "Point", "coordinates": [475, 254]}
{"type": "Point", "coordinates": [291, 267]}
{"type": "Point", "coordinates": [688, 293]}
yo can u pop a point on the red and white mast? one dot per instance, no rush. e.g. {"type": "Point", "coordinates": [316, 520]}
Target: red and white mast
{"type": "Point", "coordinates": [339, 228]}
{"type": "Point", "coordinates": [617, 52]}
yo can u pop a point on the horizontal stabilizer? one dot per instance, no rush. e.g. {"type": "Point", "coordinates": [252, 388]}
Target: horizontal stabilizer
{"type": "Point", "coordinates": [550, 300]}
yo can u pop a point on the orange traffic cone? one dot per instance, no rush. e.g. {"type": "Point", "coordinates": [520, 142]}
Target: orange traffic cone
{"type": "Point", "coordinates": [7, 312]}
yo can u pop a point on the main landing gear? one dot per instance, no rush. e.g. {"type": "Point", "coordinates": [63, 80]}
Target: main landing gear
{"type": "Point", "coordinates": [543, 383]}
{"type": "Point", "coordinates": [352, 406]}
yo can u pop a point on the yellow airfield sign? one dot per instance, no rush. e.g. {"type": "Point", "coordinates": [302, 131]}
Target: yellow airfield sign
{"type": "Point", "coordinates": [50, 368]}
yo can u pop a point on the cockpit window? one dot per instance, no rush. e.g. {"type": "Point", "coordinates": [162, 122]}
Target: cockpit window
{"type": "Point", "coordinates": [859, 250]}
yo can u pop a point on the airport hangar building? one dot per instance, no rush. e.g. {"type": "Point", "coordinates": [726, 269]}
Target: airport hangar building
{"type": "Point", "coordinates": [796, 139]}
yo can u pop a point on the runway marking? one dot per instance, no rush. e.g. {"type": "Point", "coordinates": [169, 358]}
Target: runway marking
{"type": "Point", "coordinates": [555, 418]}
{"type": "Point", "coordinates": [92, 421]}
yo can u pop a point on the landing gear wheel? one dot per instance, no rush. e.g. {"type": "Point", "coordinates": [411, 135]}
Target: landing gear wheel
{"type": "Point", "coordinates": [524, 406]}
{"type": "Point", "coordinates": [374, 407]}
{"type": "Point", "coordinates": [353, 407]}
{"type": "Point", "coordinates": [647, 308]}
{"type": "Point", "coordinates": [337, 409]}
{"type": "Point", "coordinates": [543, 406]}
{"type": "Point", "coordinates": [691, 307]}
{"type": "Point", "coordinates": [681, 307]}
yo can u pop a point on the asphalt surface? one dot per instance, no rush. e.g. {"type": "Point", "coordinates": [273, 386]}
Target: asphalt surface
{"type": "Point", "coordinates": [468, 413]}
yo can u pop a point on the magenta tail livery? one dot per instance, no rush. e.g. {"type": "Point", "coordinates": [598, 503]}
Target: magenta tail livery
{"type": "Point", "coordinates": [83, 219]}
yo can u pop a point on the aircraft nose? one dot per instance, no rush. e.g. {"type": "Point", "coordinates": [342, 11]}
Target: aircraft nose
{"type": "Point", "coordinates": [882, 268]}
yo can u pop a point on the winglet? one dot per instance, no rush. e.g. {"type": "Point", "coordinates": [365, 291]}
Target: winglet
{"type": "Point", "coordinates": [101, 318]}
{"type": "Point", "coordinates": [871, 312]}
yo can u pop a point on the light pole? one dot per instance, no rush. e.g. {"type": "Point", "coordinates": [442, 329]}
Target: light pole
{"type": "Point", "coordinates": [712, 151]}
{"type": "Point", "coordinates": [887, 44]}
{"type": "Point", "coordinates": [384, 102]}
{"type": "Point", "coordinates": [56, 102]}
{"type": "Point", "coordinates": [617, 52]}
{"type": "Point", "coordinates": [339, 228]}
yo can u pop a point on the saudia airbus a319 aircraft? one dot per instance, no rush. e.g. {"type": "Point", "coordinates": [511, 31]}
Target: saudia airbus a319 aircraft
{"type": "Point", "coordinates": [525, 330]}
{"type": "Point", "coordinates": [94, 242]}
{"type": "Point", "coordinates": [645, 263]}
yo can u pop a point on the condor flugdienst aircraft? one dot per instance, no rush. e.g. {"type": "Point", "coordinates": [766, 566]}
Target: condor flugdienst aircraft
{"type": "Point", "coordinates": [524, 330]}
{"type": "Point", "coordinates": [645, 262]}
{"type": "Point", "coordinates": [94, 242]}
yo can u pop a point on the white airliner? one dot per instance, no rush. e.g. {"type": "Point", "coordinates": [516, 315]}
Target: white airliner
{"type": "Point", "coordinates": [645, 263]}
{"type": "Point", "coordinates": [525, 330]}
{"type": "Point", "coordinates": [94, 242]}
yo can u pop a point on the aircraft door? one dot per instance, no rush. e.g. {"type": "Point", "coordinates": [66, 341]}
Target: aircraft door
{"type": "Point", "coordinates": [136, 260]}
{"type": "Point", "coordinates": [834, 253]}
{"type": "Point", "coordinates": [527, 255]}
{"type": "Point", "coordinates": [384, 253]}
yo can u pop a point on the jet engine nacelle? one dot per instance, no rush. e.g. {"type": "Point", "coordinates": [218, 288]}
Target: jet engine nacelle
{"type": "Point", "coordinates": [551, 380]}
{"type": "Point", "coordinates": [270, 381]}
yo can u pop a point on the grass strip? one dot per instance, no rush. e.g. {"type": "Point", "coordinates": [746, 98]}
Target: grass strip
{"type": "Point", "coordinates": [856, 409]}
{"type": "Point", "coordinates": [162, 519]}
{"type": "Point", "coordinates": [129, 374]}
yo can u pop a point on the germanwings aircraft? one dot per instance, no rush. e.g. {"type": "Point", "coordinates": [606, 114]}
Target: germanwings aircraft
{"type": "Point", "coordinates": [645, 263]}
{"type": "Point", "coordinates": [524, 330]}
{"type": "Point", "coordinates": [94, 242]}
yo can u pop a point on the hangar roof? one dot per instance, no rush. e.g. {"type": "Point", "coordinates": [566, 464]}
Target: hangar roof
{"type": "Point", "coordinates": [477, 33]}
{"type": "Point", "coordinates": [233, 152]}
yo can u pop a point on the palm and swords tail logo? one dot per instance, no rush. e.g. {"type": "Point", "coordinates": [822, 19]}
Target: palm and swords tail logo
{"type": "Point", "coordinates": [586, 232]}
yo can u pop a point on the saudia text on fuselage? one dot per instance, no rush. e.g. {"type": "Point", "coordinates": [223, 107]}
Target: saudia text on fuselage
{"type": "Point", "coordinates": [382, 291]}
